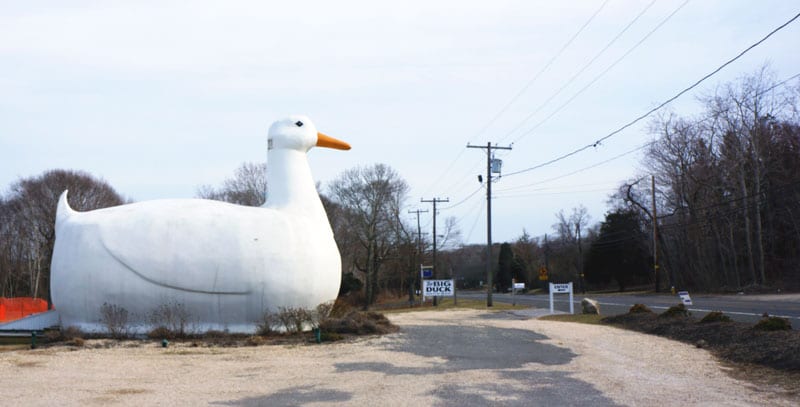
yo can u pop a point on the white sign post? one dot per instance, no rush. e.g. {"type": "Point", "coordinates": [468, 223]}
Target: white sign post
{"type": "Point", "coordinates": [561, 289]}
{"type": "Point", "coordinates": [424, 272]}
{"type": "Point", "coordinates": [685, 298]}
{"type": "Point", "coordinates": [438, 288]}
{"type": "Point", "coordinates": [514, 287]}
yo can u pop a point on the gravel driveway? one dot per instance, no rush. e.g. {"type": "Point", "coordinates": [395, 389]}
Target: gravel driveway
{"type": "Point", "coordinates": [442, 358]}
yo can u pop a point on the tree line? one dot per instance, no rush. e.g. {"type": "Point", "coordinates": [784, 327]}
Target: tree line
{"type": "Point", "coordinates": [715, 207]}
{"type": "Point", "coordinates": [725, 209]}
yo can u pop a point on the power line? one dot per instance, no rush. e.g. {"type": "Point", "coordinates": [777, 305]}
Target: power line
{"type": "Point", "coordinates": [523, 90]}
{"type": "Point", "coordinates": [616, 157]}
{"type": "Point", "coordinates": [596, 78]}
{"type": "Point", "coordinates": [580, 71]}
{"type": "Point", "coordinates": [465, 199]}
{"type": "Point", "coordinates": [548, 193]}
{"type": "Point", "coordinates": [653, 110]}
{"type": "Point", "coordinates": [541, 71]}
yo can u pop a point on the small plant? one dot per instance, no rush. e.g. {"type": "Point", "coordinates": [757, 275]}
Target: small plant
{"type": "Point", "coordinates": [115, 319]}
{"type": "Point", "coordinates": [77, 341]}
{"type": "Point", "coordinates": [356, 322]}
{"type": "Point", "coordinates": [715, 316]}
{"type": "Point", "coordinates": [675, 311]}
{"type": "Point", "coordinates": [330, 336]}
{"type": "Point", "coordinates": [173, 317]}
{"type": "Point", "coordinates": [321, 313]}
{"type": "Point", "coordinates": [293, 319]}
{"type": "Point", "coordinates": [639, 309]}
{"type": "Point", "coordinates": [161, 332]}
{"type": "Point", "coordinates": [254, 341]}
{"type": "Point", "coordinates": [773, 324]}
{"type": "Point", "coordinates": [269, 324]}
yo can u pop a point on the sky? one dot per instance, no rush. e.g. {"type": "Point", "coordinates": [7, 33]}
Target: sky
{"type": "Point", "coordinates": [161, 97]}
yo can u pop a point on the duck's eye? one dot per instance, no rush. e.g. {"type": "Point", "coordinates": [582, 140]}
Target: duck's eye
{"type": "Point", "coordinates": [299, 124]}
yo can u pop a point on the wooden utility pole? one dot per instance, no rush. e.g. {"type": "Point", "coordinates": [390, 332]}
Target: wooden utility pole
{"type": "Point", "coordinates": [489, 283]}
{"type": "Point", "coordinates": [580, 257]}
{"type": "Point", "coordinates": [419, 254]}
{"type": "Point", "coordinates": [655, 231]}
{"type": "Point", "coordinates": [434, 201]}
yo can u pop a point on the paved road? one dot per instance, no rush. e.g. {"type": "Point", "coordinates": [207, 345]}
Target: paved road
{"type": "Point", "coordinates": [745, 308]}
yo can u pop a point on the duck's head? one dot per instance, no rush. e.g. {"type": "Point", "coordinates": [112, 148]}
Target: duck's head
{"type": "Point", "coordinates": [297, 132]}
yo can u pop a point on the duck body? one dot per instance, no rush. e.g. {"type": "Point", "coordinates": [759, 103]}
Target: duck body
{"type": "Point", "coordinates": [224, 265]}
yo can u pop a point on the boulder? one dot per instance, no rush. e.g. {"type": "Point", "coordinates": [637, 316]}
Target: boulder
{"type": "Point", "coordinates": [590, 306]}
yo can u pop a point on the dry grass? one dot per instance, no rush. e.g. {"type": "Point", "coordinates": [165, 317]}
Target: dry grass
{"type": "Point", "coordinates": [581, 318]}
{"type": "Point", "coordinates": [29, 363]}
{"type": "Point", "coordinates": [122, 392]}
{"type": "Point", "coordinates": [449, 303]}
{"type": "Point", "coordinates": [13, 347]}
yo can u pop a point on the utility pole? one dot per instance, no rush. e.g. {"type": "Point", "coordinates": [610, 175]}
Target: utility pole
{"type": "Point", "coordinates": [580, 257]}
{"type": "Point", "coordinates": [546, 254]}
{"type": "Point", "coordinates": [547, 263]}
{"type": "Point", "coordinates": [489, 156]}
{"type": "Point", "coordinates": [419, 255]}
{"type": "Point", "coordinates": [434, 201]}
{"type": "Point", "coordinates": [655, 230]}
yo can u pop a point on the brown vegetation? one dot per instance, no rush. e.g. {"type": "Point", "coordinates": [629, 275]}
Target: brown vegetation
{"type": "Point", "coordinates": [731, 341]}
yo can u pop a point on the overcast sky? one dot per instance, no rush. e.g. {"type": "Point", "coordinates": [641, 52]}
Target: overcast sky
{"type": "Point", "coordinates": [160, 97]}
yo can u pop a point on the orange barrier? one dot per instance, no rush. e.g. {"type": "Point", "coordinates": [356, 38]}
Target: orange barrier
{"type": "Point", "coordinates": [19, 307]}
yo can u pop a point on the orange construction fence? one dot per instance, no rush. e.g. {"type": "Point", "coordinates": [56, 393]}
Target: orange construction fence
{"type": "Point", "coordinates": [20, 307]}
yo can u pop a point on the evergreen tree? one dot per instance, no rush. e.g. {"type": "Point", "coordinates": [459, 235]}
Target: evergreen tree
{"type": "Point", "coordinates": [504, 268]}
{"type": "Point", "coordinates": [620, 252]}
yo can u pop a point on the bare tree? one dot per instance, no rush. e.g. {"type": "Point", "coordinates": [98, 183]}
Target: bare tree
{"type": "Point", "coordinates": [371, 199]}
{"type": "Point", "coordinates": [570, 230]}
{"type": "Point", "coordinates": [248, 186]}
{"type": "Point", "coordinates": [29, 213]}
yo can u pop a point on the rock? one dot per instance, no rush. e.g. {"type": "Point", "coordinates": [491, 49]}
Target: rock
{"type": "Point", "coordinates": [590, 306]}
{"type": "Point", "coordinates": [701, 343]}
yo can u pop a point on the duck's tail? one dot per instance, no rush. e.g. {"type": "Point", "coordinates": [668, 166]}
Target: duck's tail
{"type": "Point", "coordinates": [63, 211]}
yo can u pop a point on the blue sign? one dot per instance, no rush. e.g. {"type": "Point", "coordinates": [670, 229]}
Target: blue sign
{"type": "Point", "coordinates": [427, 272]}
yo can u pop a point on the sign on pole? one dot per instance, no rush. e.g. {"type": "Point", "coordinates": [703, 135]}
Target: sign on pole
{"type": "Point", "coordinates": [424, 272]}
{"type": "Point", "coordinates": [561, 289]}
{"type": "Point", "coordinates": [438, 288]}
{"type": "Point", "coordinates": [427, 271]}
{"type": "Point", "coordinates": [543, 273]}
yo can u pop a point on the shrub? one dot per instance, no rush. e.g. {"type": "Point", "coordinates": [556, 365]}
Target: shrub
{"type": "Point", "coordinates": [773, 324]}
{"type": "Point", "coordinates": [715, 316]}
{"type": "Point", "coordinates": [321, 313]}
{"type": "Point", "coordinates": [254, 340]}
{"type": "Point", "coordinates": [360, 323]}
{"type": "Point", "coordinates": [78, 341]}
{"type": "Point", "coordinates": [161, 332]}
{"type": "Point", "coordinates": [675, 311]}
{"type": "Point", "coordinates": [330, 336]}
{"type": "Point", "coordinates": [171, 316]}
{"type": "Point", "coordinates": [340, 308]}
{"type": "Point", "coordinates": [115, 319]}
{"type": "Point", "coordinates": [269, 324]}
{"type": "Point", "coordinates": [293, 319]}
{"type": "Point", "coordinates": [639, 309]}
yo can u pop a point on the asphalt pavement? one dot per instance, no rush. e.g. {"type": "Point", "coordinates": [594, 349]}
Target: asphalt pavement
{"type": "Point", "coordinates": [740, 307]}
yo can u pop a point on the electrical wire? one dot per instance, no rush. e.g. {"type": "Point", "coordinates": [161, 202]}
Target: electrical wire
{"type": "Point", "coordinates": [463, 200]}
{"type": "Point", "coordinates": [660, 106]}
{"type": "Point", "coordinates": [578, 171]}
{"type": "Point", "coordinates": [523, 90]}
{"type": "Point", "coordinates": [583, 69]}
{"type": "Point", "coordinates": [603, 73]}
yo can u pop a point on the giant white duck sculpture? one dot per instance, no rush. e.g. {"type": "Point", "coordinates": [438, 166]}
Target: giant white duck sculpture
{"type": "Point", "coordinates": [224, 264]}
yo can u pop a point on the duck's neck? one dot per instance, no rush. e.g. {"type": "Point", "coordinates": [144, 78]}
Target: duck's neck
{"type": "Point", "coordinates": [290, 186]}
